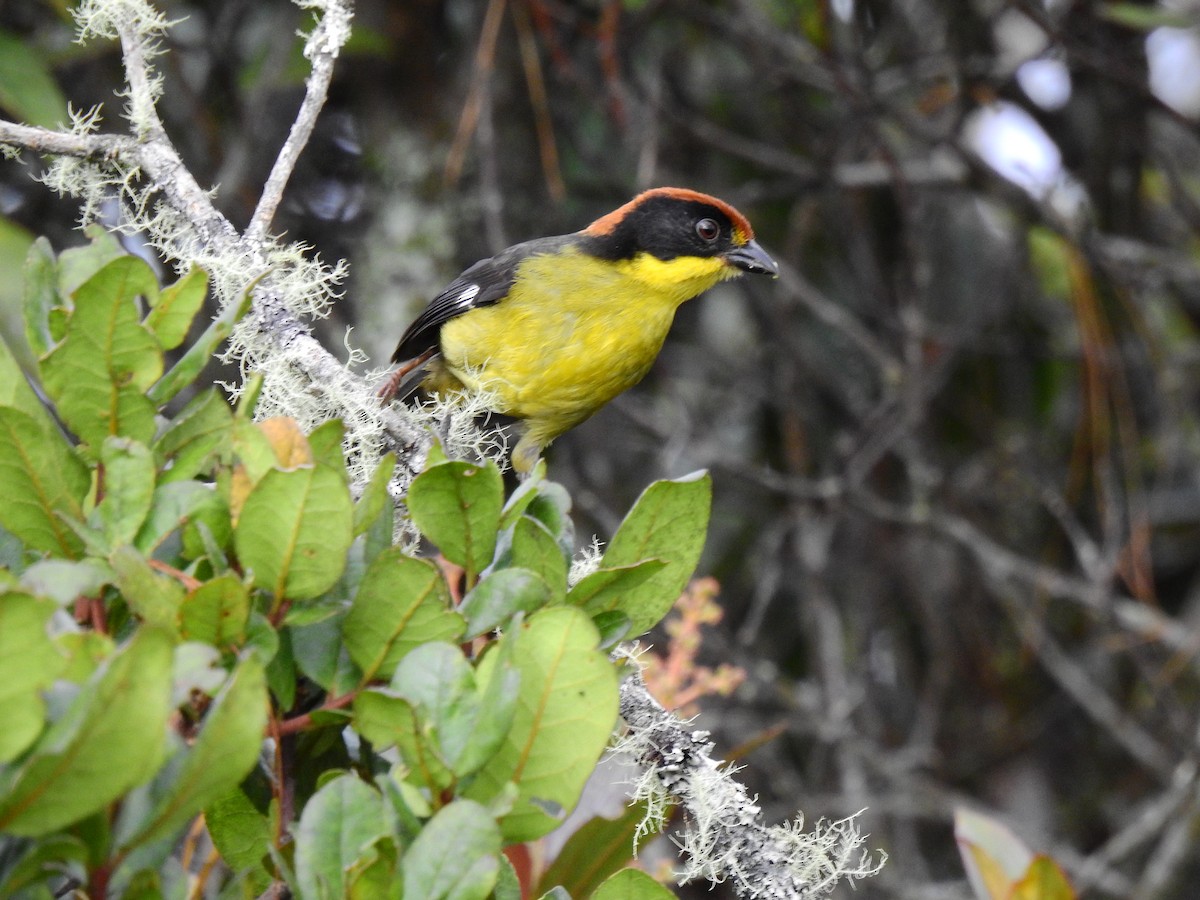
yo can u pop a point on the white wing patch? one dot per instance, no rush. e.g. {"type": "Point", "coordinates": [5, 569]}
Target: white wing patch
{"type": "Point", "coordinates": [466, 295]}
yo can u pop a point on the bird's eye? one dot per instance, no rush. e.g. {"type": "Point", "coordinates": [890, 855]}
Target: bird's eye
{"type": "Point", "coordinates": [708, 230]}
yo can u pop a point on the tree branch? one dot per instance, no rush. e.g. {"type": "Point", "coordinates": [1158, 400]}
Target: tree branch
{"type": "Point", "coordinates": [723, 838]}
{"type": "Point", "coordinates": [321, 48]}
{"type": "Point", "coordinates": [64, 143]}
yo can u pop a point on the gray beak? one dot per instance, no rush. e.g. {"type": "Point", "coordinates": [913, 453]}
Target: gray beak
{"type": "Point", "coordinates": [751, 258]}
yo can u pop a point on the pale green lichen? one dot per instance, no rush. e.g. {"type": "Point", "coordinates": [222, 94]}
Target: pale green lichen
{"type": "Point", "coordinates": [586, 561]}
{"type": "Point", "coordinates": [140, 25]}
{"type": "Point", "coordinates": [108, 18]}
{"type": "Point", "coordinates": [722, 838]}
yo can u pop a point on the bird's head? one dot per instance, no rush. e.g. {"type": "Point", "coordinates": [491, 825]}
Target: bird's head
{"type": "Point", "coordinates": [670, 223]}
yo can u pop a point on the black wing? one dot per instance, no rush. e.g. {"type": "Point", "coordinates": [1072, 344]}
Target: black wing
{"type": "Point", "coordinates": [483, 284]}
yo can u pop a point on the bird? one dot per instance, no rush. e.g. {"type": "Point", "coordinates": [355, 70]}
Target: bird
{"type": "Point", "coordinates": [554, 328]}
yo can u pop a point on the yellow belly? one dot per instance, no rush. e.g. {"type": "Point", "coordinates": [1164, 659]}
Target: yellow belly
{"type": "Point", "coordinates": [569, 338]}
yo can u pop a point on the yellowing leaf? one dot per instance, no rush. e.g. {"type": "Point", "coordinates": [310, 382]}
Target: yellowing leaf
{"type": "Point", "coordinates": [993, 856]}
{"type": "Point", "coordinates": [1044, 880]}
{"type": "Point", "coordinates": [287, 440]}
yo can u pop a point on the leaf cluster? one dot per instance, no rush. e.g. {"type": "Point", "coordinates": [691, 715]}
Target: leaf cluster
{"type": "Point", "coordinates": [200, 625]}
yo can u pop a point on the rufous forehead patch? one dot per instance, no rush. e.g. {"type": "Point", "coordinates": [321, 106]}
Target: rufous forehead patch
{"type": "Point", "coordinates": [742, 232]}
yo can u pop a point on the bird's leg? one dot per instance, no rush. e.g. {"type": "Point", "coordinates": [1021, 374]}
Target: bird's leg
{"type": "Point", "coordinates": [526, 454]}
{"type": "Point", "coordinates": [388, 391]}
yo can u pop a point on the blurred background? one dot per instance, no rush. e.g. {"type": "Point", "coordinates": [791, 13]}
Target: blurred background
{"type": "Point", "coordinates": [956, 445]}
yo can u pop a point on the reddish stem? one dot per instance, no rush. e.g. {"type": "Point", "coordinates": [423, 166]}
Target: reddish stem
{"type": "Point", "coordinates": [304, 722]}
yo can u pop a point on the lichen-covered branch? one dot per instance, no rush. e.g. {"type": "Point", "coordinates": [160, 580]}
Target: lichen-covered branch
{"type": "Point", "coordinates": [161, 199]}
{"type": "Point", "coordinates": [723, 838]}
{"type": "Point", "coordinates": [66, 143]}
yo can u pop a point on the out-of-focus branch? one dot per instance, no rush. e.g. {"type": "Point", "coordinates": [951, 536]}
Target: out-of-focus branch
{"type": "Point", "coordinates": [1000, 563]}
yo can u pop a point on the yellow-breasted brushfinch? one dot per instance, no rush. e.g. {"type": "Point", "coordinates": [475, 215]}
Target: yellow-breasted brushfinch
{"type": "Point", "coordinates": [554, 328]}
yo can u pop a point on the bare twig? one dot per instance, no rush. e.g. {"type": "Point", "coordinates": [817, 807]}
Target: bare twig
{"type": "Point", "coordinates": [1001, 564]}
{"type": "Point", "coordinates": [321, 48]}
{"type": "Point", "coordinates": [1081, 685]}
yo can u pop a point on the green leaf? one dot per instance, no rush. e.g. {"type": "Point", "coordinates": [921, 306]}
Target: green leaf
{"type": "Point", "coordinates": [77, 264]}
{"type": "Point", "coordinates": [667, 523]}
{"type": "Point", "coordinates": [596, 850]}
{"type": "Point", "coordinates": [109, 739]}
{"type": "Point", "coordinates": [385, 720]}
{"type": "Point", "coordinates": [40, 478]}
{"type": "Point", "coordinates": [294, 531]}
{"type": "Point", "coordinates": [336, 837]}
{"type": "Point", "coordinates": [23, 716]}
{"type": "Point", "coordinates": [455, 855]}
{"type": "Point", "coordinates": [551, 506]}
{"type": "Point", "coordinates": [65, 581]}
{"type": "Point", "coordinates": [325, 443]}
{"type": "Point", "coordinates": [439, 718]}
{"type": "Point", "coordinates": [29, 661]}
{"type": "Point", "coordinates": [1051, 258]}
{"type": "Point", "coordinates": [208, 531]}
{"type": "Point", "coordinates": [253, 450]}
{"type": "Point", "coordinates": [535, 548]}
{"type": "Point", "coordinates": [457, 506]}
{"type": "Point", "coordinates": [605, 590]}
{"type": "Point", "coordinates": [40, 296]}
{"type": "Point", "coordinates": [99, 374]}
{"type": "Point", "coordinates": [178, 505]}
{"type": "Point", "coordinates": [375, 497]}
{"type": "Point", "coordinates": [223, 754]}
{"type": "Point", "coordinates": [565, 714]}
{"type": "Point", "coordinates": [500, 596]}
{"type": "Point", "coordinates": [171, 316]}
{"type": "Point", "coordinates": [631, 884]}
{"type": "Point", "coordinates": [500, 692]}
{"type": "Point", "coordinates": [441, 684]}
{"type": "Point", "coordinates": [508, 885]}
{"type": "Point", "coordinates": [322, 655]}
{"type": "Point", "coordinates": [281, 672]}
{"type": "Point", "coordinates": [189, 366]}
{"type": "Point", "coordinates": [239, 831]}
{"type": "Point", "coordinates": [15, 243]}
{"type": "Point", "coordinates": [216, 612]}
{"type": "Point", "coordinates": [86, 651]}
{"type": "Point", "coordinates": [524, 494]}
{"type": "Point", "coordinates": [28, 91]}
{"type": "Point", "coordinates": [401, 603]}
{"type": "Point", "coordinates": [200, 433]}
{"type": "Point", "coordinates": [613, 627]}
{"type": "Point", "coordinates": [154, 598]}
{"type": "Point", "coordinates": [466, 728]}
{"type": "Point", "coordinates": [16, 393]}
{"type": "Point", "coordinates": [128, 489]}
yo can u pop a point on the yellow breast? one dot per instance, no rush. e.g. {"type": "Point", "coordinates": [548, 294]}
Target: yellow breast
{"type": "Point", "coordinates": [572, 333]}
